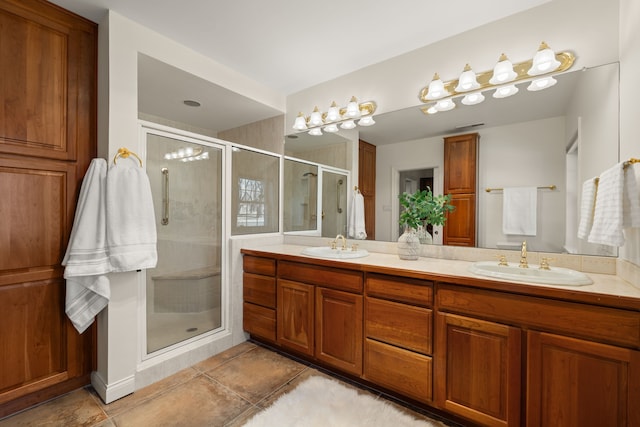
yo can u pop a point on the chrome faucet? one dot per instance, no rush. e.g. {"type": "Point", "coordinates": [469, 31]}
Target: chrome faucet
{"type": "Point", "coordinates": [344, 241]}
{"type": "Point", "coordinates": [523, 256]}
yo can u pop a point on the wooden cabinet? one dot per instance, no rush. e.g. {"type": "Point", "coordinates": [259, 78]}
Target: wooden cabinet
{"type": "Point", "coordinates": [493, 357]}
{"type": "Point", "coordinates": [582, 360]}
{"type": "Point", "coordinates": [339, 329]}
{"type": "Point", "coordinates": [460, 172]}
{"type": "Point", "coordinates": [477, 373]}
{"type": "Point", "coordinates": [320, 313]}
{"type": "Point", "coordinates": [398, 331]}
{"type": "Point", "coordinates": [47, 140]}
{"type": "Point", "coordinates": [573, 382]}
{"type": "Point", "coordinates": [367, 185]}
{"type": "Point", "coordinates": [259, 295]}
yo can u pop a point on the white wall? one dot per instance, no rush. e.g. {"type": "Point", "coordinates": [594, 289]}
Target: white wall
{"type": "Point", "coordinates": [120, 41]}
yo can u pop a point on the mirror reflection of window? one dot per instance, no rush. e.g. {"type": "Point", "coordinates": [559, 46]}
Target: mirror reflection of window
{"type": "Point", "coordinates": [300, 196]}
{"type": "Point", "coordinates": [255, 199]}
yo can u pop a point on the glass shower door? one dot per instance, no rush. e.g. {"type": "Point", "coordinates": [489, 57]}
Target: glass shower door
{"type": "Point", "coordinates": [184, 291]}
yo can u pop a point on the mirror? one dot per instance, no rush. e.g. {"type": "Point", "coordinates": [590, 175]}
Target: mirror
{"type": "Point", "coordinates": [560, 136]}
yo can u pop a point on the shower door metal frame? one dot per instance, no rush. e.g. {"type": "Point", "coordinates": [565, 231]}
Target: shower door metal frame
{"type": "Point", "coordinates": [148, 359]}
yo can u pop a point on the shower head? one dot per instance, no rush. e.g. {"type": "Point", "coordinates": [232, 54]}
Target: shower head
{"type": "Point", "coordinates": [310, 173]}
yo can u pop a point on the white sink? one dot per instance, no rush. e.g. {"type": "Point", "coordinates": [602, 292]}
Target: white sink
{"type": "Point", "coordinates": [327, 252]}
{"type": "Point", "coordinates": [554, 276]}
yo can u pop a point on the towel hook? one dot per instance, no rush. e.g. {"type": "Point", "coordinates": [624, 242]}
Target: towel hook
{"type": "Point", "coordinates": [125, 153]}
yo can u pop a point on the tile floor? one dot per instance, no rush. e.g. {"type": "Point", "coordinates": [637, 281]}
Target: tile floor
{"type": "Point", "coordinates": [224, 390]}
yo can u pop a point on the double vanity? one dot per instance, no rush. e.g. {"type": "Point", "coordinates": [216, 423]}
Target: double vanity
{"type": "Point", "coordinates": [464, 338]}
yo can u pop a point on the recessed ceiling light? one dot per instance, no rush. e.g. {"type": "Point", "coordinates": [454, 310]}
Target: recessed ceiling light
{"type": "Point", "coordinates": [191, 103]}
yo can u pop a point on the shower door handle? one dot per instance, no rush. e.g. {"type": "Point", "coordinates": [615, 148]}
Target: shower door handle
{"type": "Point", "coordinates": [165, 196]}
{"type": "Point", "coordinates": [338, 196]}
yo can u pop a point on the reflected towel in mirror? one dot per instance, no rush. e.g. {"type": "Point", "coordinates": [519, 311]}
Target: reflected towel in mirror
{"type": "Point", "coordinates": [519, 211]}
{"type": "Point", "coordinates": [356, 218]}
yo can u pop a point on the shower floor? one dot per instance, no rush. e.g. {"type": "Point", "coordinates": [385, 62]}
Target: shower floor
{"type": "Point", "coordinates": [166, 329]}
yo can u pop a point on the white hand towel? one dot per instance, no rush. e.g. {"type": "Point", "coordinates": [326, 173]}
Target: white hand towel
{"type": "Point", "coordinates": [587, 206]}
{"type": "Point", "coordinates": [519, 211]}
{"type": "Point", "coordinates": [86, 297]}
{"type": "Point", "coordinates": [631, 199]}
{"type": "Point", "coordinates": [131, 227]}
{"type": "Point", "coordinates": [356, 218]}
{"type": "Point", "coordinates": [86, 260]}
{"type": "Point", "coordinates": [608, 215]}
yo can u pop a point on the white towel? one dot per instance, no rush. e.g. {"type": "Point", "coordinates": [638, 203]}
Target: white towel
{"type": "Point", "coordinates": [519, 211]}
{"type": "Point", "coordinates": [356, 218]}
{"type": "Point", "coordinates": [608, 215]}
{"type": "Point", "coordinates": [631, 199]}
{"type": "Point", "coordinates": [86, 260]}
{"type": "Point", "coordinates": [587, 206]}
{"type": "Point", "coordinates": [131, 228]}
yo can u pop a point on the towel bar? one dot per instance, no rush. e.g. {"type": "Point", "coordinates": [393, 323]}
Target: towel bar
{"type": "Point", "coordinates": [124, 153]}
{"type": "Point", "coordinates": [548, 187]}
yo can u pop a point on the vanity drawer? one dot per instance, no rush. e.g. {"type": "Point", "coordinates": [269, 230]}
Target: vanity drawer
{"type": "Point", "coordinates": [259, 265]}
{"type": "Point", "coordinates": [259, 289]}
{"type": "Point", "coordinates": [402, 289]}
{"type": "Point", "coordinates": [327, 277]}
{"type": "Point", "coordinates": [259, 321]}
{"type": "Point", "coordinates": [399, 324]}
{"type": "Point", "coordinates": [603, 324]}
{"type": "Point", "coordinates": [400, 370]}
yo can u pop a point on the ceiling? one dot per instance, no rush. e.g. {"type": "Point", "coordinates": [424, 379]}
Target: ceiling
{"type": "Point", "coordinates": [288, 46]}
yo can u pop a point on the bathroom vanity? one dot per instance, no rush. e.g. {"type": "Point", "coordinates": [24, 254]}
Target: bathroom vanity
{"type": "Point", "coordinates": [489, 351]}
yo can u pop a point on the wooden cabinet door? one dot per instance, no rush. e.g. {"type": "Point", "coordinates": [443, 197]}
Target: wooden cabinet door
{"type": "Point", "coordinates": [367, 185]}
{"type": "Point", "coordinates": [339, 329]}
{"type": "Point", "coordinates": [47, 81]}
{"type": "Point", "coordinates": [477, 369]}
{"type": "Point", "coordinates": [295, 316]}
{"type": "Point", "coordinates": [573, 382]}
{"type": "Point", "coordinates": [460, 171]}
{"type": "Point", "coordinates": [460, 228]}
{"type": "Point", "coordinates": [460, 163]}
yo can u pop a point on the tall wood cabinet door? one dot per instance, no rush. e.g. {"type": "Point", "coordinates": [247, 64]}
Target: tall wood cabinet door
{"type": "Point", "coordinates": [572, 382]}
{"type": "Point", "coordinates": [42, 355]}
{"type": "Point", "coordinates": [367, 185]}
{"type": "Point", "coordinates": [47, 107]}
{"type": "Point", "coordinates": [339, 329]}
{"type": "Point", "coordinates": [460, 172]}
{"type": "Point", "coordinates": [295, 316]}
{"type": "Point", "coordinates": [477, 369]}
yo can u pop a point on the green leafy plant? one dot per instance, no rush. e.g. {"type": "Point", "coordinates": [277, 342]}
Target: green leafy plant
{"type": "Point", "coordinates": [422, 207]}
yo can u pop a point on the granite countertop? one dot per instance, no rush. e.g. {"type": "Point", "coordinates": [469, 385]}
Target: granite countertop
{"type": "Point", "coordinates": [607, 289]}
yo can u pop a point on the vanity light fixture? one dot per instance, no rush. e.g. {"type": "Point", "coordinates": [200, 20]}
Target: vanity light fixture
{"type": "Point", "coordinates": [538, 71]}
{"type": "Point", "coordinates": [467, 81]}
{"type": "Point", "coordinates": [345, 117]}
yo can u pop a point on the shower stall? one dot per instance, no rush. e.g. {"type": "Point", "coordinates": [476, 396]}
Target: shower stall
{"type": "Point", "coordinates": [184, 293]}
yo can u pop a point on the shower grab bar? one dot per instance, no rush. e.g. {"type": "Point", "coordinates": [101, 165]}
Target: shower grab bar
{"type": "Point", "coordinates": [165, 196]}
{"type": "Point", "coordinates": [338, 196]}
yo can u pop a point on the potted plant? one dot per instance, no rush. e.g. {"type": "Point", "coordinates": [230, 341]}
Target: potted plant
{"type": "Point", "coordinates": [419, 210]}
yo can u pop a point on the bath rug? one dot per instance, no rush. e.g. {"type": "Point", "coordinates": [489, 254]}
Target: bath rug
{"type": "Point", "coordinates": [324, 402]}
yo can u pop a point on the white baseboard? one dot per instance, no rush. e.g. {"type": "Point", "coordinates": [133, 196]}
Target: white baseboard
{"type": "Point", "coordinates": [110, 392]}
